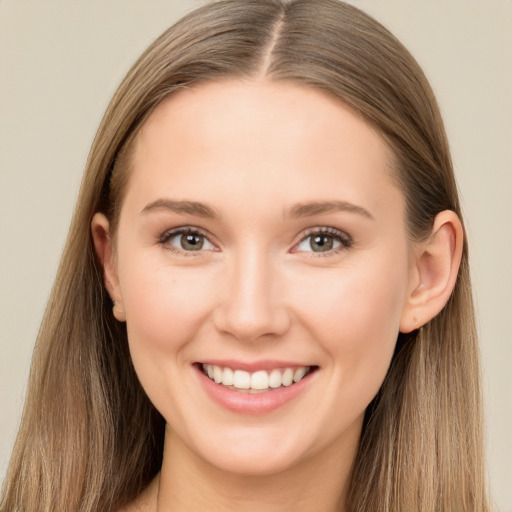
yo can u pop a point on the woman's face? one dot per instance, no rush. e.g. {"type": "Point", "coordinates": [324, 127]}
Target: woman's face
{"type": "Point", "coordinates": [261, 238]}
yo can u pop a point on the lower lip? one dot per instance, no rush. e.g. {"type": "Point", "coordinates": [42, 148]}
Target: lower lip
{"type": "Point", "coordinates": [253, 403]}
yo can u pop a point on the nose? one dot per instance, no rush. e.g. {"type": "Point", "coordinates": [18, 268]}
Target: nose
{"type": "Point", "coordinates": [252, 304]}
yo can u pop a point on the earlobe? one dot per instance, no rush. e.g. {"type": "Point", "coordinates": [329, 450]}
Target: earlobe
{"type": "Point", "coordinates": [436, 266]}
{"type": "Point", "coordinates": [100, 228]}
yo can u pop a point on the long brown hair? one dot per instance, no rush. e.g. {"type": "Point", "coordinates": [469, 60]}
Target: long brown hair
{"type": "Point", "coordinates": [91, 440]}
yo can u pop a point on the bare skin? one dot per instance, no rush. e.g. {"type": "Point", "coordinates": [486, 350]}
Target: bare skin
{"type": "Point", "coordinates": [294, 250]}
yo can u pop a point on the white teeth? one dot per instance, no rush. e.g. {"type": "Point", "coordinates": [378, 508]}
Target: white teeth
{"type": "Point", "coordinates": [259, 380]}
{"type": "Point", "coordinates": [274, 379]}
{"type": "Point", "coordinates": [241, 379]}
{"type": "Point", "coordinates": [217, 374]}
{"type": "Point", "coordinates": [227, 377]}
{"type": "Point", "coordinates": [299, 373]}
{"type": "Point", "coordinates": [287, 377]}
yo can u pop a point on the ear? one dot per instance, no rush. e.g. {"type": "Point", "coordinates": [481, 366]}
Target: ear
{"type": "Point", "coordinates": [100, 227]}
{"type": "Point", "coordinates": [434, 271]}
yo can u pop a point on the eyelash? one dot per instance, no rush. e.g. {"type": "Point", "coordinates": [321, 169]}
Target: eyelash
{"type": "Point", "coordinates": [186, 230]}
{"type": "Point", "coordinates": [343, 238]}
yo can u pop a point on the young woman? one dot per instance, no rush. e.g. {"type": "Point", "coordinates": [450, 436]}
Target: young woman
{"type": "Point", "coordinates": [264, 302]}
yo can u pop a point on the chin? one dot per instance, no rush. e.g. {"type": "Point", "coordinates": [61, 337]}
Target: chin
{"type": "Point", "coordinates": [252, 453]}
{"type": "Point", "coordinates": [261, 464]}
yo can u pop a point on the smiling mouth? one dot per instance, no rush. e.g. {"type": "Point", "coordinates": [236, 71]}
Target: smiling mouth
{"type": "Point", "coordinates": [255, 382]}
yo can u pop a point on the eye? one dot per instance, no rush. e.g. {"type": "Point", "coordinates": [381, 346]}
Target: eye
{"type": "Point", "coordinates": [326, 241]}
{"type": "Point", "coordinates": [186, 240]}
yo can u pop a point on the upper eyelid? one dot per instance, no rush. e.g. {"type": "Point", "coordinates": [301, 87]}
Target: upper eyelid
{"type": "Point", "coordinates": [169, 233]}
{"type": "Point", "coordinates": [324, 230]}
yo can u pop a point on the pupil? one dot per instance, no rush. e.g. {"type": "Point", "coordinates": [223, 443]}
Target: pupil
{"type": "Point", "coordinates": [192, 242]}
{"type": "Point", "coordinates": [321, 243]}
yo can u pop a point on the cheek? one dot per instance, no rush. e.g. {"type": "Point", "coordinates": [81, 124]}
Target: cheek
{"type": "Point", "coordinates": [164, 306]}
{"type": "Point", "coordinates": [354, 314]}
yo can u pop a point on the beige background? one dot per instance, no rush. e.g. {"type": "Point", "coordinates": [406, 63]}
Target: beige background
{"type": "Point", "coordinates": [60, 62]}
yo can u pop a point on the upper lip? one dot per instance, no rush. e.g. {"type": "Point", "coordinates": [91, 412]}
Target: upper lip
{"type": "Point", "coordinates": [252, 366]}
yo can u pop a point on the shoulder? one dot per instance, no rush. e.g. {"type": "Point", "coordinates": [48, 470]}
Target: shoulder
{"type": "Point", "coordinates": [146, 501]}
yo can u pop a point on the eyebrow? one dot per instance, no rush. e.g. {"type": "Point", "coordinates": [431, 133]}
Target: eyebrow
{"type": "Point", "coordinates": [185, 207]}
{"type": "Point", "coordinates": [297, 211]}
{"type": "Point", "coordinates": [322, 207]}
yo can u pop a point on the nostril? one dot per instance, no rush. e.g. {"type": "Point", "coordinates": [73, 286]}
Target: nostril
{"type": "Point", "coordinates": [251, 325]}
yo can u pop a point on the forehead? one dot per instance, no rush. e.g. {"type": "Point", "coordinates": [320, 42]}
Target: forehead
{"type": "Point", "coordinates": [271, 140]}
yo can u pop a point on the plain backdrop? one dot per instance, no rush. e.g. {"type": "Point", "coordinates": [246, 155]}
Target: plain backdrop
{"type": "Point", "coordinates": [60, 62]}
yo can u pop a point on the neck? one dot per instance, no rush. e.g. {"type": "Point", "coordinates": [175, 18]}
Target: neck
{"type": "Point", "coordinates": [189, 483]}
